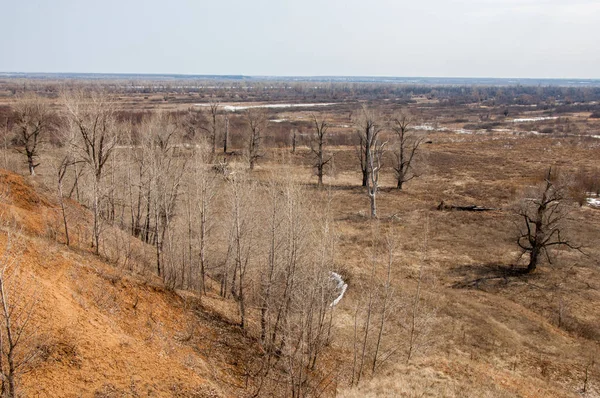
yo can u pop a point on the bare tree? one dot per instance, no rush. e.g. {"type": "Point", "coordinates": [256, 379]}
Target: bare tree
{"type": "Point", "coordinates": [294, 139]}
{"type": "Point", "coordinates": [385, 305]}
{"type": "Point", "coordinates": [367, 129]}
{"type": "Point", "coordinates": [543, 213]}
{"type": "Point", "coordinates": [192, 123]}
{"type": "Point", "coordinates": [212, 129]}
{"type": "Point", "coordinates": [18, 302]}
{"type": "Point", "coordinates": [242, 242]}
{"type": "Point", "coordinates": [376, 150]}
{"type": "Point", "coordinates": [317, 147]}
{"type": "Point", "coordinates": [33, 121]}
{"type": "Point", "coordinates": [202, 190]}
{"type": "Point", "coordinates": [407, 145]}
{"type": "Point", "coordinates": [7, 128]}
{"type": "Point", "coordinates": [257, 124]}
{"type": "Point", "coordinates": [165, 173]}
{"type": "Point", "coordinates": [92, 118]}
{"type": "Point", "coordinates": [61, 173]}
{"type": "Point", "coordinates": [226, 135]}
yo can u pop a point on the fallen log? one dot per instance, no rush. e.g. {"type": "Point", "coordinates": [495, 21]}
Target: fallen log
{"type": "Point", "coordinates": [443, 206]}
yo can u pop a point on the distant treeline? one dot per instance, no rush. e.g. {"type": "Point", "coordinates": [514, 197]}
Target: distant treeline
{"type": "Point", "coordinates": [241, 89]}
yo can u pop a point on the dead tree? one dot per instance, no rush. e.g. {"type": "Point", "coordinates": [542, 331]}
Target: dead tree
{"type": "Point", "coordinates": [33, 120]}
{"type": "Point", "coordinates": [407, 145]}
{"type": "Point", "coordinates": [317, 147]}
{"type": "Point", "coordinates": [367, 129]}
{"type": "Point", "coordinates": [92, 119]}
{"type": "Point", "coordinates": [543, 215]}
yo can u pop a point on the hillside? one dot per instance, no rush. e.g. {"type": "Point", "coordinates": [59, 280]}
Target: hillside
{"type": "Point", "coordinates": [101, 331]}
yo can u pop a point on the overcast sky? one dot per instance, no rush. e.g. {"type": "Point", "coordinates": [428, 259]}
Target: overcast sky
{"type": "Point", "coordinates": [442, 38]}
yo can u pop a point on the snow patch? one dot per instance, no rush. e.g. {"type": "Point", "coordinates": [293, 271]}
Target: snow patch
{"type": "Point", "coordinates": [341, 286]}
{"type": "Point", "coordinates": [233, 108]}
{"type": "Point", "coordinates": [534, 119]}
{"type": "Point", "coordinates": [593, 202]}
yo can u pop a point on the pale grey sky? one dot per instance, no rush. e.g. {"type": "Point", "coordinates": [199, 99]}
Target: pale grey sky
{"type": "Point", "coordinates": [447, 38]}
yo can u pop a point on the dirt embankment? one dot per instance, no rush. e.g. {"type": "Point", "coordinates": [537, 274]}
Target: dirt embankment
{"type": "Point", "coordinates": [97, 330]}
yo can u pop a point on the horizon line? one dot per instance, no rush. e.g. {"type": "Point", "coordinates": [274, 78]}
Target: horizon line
{"type": "Point", "coordinates": [227, 76]}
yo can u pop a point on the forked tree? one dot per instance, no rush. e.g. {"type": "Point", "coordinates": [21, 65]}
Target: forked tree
{"type": "Point", "coordinates": [407, 145]}
{"type": "Point", "coordinates": [367, 129]}
{"type": "Point", "coordinates": [256, 121]}
{"type": "Point", "coordinates": [543, 214]}
{"type": "Point", "coordinates": [92, 119]}
{"type": "Point", "coordinates": [33, 120]}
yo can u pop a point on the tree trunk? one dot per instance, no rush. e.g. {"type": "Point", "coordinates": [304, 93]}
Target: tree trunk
{"type": "Point", "coordinates": [226, 135]}
{"type": "Point", "coordinates": [294, 143]}
{"type": "Point", "coordinates": [202, 249]}
{"type": "Point", "coordinates": [373, 206]}
{"type": "Point", "coordinates": [31, 165]}
{"type": "Point", "coordinates": [533, 260]}
{"type": "Point", "coordinates": [400, 179]}
{"type": "Point", "coordinates": [64, 213]}
{"type": "Point", "coordinates": [96, 241]}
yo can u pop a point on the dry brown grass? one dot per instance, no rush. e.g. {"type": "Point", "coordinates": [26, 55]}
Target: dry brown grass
{"type": "Point", "coordinates": [495, 332]}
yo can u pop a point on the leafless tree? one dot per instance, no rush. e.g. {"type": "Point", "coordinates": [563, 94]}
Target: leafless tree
{"type": "Point", "coordinates": [420, 316]}
{"type": "Point", "coordinates": [385, 304]}
{"type": "Point", "coordinates": [165, 173]}
{"type": "Point", "coordinates": [202, 190]}
{"type": "Point", "coordinates": [92, 118]}
{"type": "Point", "coordinates": [295, 291]}
{"type": "Point", "coordinates": [226, 135]}
{"type": "Point", "coordinates": [242, 245]}
{"type": "Point", "coordinates": [6, 131]}
{"type": "Point", "coordinates": [294, 139]}
{"type": "Point", "coordinates": [317, 147]}
{"type": "Point", "coordinates": [376, 150]}
{"type": "Point", "coordinates": [61, 172]}
{"type": "Point", "coordinates": [543, 212]}
{"type": "Point", "coordinates": [257, 124]}
{"type": "Point", "coordinates": [212, 129]}
{"type": "Point", "coordinates": [367, 128]}
{"type": "Point", "coordinates": [193, 123]}
{"type": "Point", "coordinates": [18, 303]}
{"type": "Point", "coordinates": [33, 121]}
{"type": "Point", "coordinates": [407, 144]}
